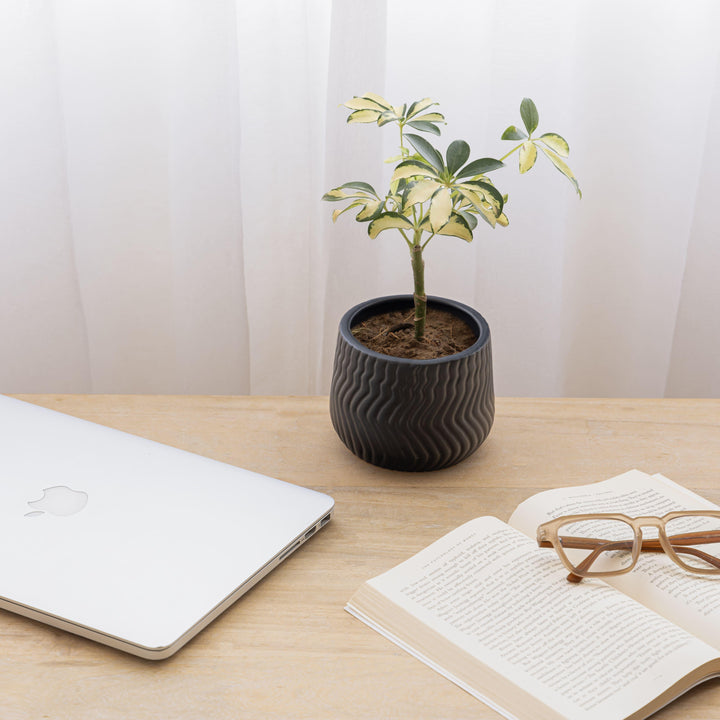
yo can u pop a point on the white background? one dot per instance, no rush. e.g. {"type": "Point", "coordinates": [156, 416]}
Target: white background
{"type": "Point", "coordinates": [162, 164]}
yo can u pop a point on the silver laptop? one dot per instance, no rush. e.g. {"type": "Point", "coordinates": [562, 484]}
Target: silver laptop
{"type": "Point", "coordinates": [128, 542]}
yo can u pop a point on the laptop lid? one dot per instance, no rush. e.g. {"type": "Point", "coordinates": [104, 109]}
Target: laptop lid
{"type": "Point", "coordinates": [129, 542]}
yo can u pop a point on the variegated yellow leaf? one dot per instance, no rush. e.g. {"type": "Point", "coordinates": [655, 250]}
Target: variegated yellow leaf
{"type": "Point", "coordinates": [388, 221]}
{"type": "Point", "coordinates": [480, 204]}
{"type": "Point", "coordinates": [440, 208]}
{"type": "Point", "coordinates": [360, 193]}
{"type": "Point", "coordinates": [394, 202]}
{"type": "Point", "coordinates": [361, 103]}
{"type": "Point", "coordinates": [411, 169]}
{"type": "Point", "coordinates": [419, 106]}
{"type": "Point", "coordinates": [378, 99]}
{"type": "Point", "coordinates": [421, 192]}
{"type": "Point", "coordinates": [503, 220]}
{"type": "Point", "coordinates": [485, 195]}
{"type": "Point", "coordinates": [387, 117]}
{"type": "Point", "coordinates": [488, 215]}
{"type": "Point", "coordinates": [456, 227]}
{"type": "Point", "coordinates": [335, 195]}
{"type": "Point", "coordinates": [363, 116]}
{"type": "Point", "coordinates": [561, 165]}
{"type": "Point", "coordinates": [339, 212]}
{"type": "Point", "coordinates": [369, 210]}
{"type": "Point", "coordinates": [556, 143]}
{"type": "Point", "coordinates": [474, 200]}
{"type": "Point", "coordinates": [464, 206]}
{"type": "Point", "coordinates": [430, 117]}
{"type": "Point", "coordinates": [528, 155]}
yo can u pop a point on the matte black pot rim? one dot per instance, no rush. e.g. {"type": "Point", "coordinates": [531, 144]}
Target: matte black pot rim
{"type": "Point", "coordinates": [470, 315]}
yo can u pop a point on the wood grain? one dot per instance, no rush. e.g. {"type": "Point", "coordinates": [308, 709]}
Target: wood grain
{"type": "Point", "coordinates": [288, 649]}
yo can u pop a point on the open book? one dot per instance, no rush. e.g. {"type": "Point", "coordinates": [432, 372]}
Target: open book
{"type": "Point", "coordinates": [494, 613]}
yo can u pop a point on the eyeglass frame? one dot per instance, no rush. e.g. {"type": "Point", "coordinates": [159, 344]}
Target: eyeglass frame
{"type": "Point", "coordinates": [547, 536]}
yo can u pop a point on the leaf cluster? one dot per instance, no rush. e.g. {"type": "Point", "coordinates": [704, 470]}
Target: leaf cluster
{"type": "Point", "coordinates": [371, 108]}
{"type": "Point", "coordinates": [435, 194]}
{"type": "Point", "coordinates": [552, 145]}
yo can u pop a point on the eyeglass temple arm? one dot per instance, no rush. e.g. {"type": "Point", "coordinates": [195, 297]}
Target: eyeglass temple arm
{"type": "Point", "coordinates": [677, 542]}
{"type": "Point", "coordinates": [599, 546]}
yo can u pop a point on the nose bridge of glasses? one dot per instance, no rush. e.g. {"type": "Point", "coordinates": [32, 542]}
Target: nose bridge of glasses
{"type": "Point", "coordinates": [649, 521]}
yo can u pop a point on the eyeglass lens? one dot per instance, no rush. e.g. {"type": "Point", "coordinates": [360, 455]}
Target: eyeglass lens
{"type": "Point", "coordinates": [598, 544]}
{"type": "Point", "coordinates": [695, 540]}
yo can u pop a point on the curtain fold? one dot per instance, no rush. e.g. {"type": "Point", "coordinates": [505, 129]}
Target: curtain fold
{"type": "Point", "coordinates": [161, 227]}
{"type": "Point", "coordinates": [695, 354]}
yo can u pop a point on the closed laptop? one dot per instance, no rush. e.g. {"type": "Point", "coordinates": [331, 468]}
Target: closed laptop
{"type": "Point", "coordinates": [129, 542]}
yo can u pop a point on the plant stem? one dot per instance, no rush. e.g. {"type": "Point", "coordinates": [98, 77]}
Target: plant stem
{"type": "Point", "coordinates": [403, 150]}
{"type": "Point", "coordinates": [507, 155]}
{"type": "Point", "coordinates": [405, 237]}
{"type": "Point", "coordinates": [418, 265]}
{"type": "Point", "coordinates": [419, 298]}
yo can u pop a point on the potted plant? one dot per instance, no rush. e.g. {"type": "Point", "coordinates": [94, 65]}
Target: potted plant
{"type": "Point", "coordinates": [412, 379]}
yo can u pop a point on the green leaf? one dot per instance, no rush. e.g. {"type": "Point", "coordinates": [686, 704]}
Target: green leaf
{"type": "Point", "coordinates": [363, 116]}
{"type": "Point", "coordinates": [388, 221]}
{"type": "Point", "coordinates": [469, 218]}
{"type": "Point", "coordinates": [427, 151]}
{"type": "Point", "coordinates": [418, 106]}
{"type": "Point", "coordinates": [560, 164]}
{"type": "Point", "coordinates": [556, 143]}
{"type": "Point", "coordinates": [480, 167]}
{"type": "Point", "coordinates": [528, 155]}
{"type": "Point", "coordinates": [425, 127]}
{"type": "Point", "coordinates": [361, 103]}
{"type": "Point", "coordinates": [411, 168]}
{"type": "Point", "coordinates": [420, 192]}
{"type": "Point", "coordinates": [513, 133]}
{"type": "Point", "coordinates": [456, 226]}
{"type": "Point", "coordinates": [357, 185]}
{"type": "Point", "coordinates": [440, 208]}
{"type": "Point", "coordinates": [529, 115]}
{"type": "Point", "coordinates": [457, 154]}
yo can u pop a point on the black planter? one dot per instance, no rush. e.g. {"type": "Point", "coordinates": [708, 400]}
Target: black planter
{"type": "Point", "coordinates": [412, 414]}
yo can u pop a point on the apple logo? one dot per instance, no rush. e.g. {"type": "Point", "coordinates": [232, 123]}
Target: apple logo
{"type": "Point", "coordinates": [58, 500]}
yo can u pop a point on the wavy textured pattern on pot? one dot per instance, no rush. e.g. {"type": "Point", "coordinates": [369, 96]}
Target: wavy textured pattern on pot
{"type": "Point", "coordinates": [412, 414]}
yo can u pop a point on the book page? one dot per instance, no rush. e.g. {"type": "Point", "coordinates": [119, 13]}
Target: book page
{"type": "Point", "coordinates": [689, 600]}
{"type": "Point", "coordinates": [586, 651]}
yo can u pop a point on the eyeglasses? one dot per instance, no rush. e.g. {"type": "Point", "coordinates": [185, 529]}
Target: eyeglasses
{"type": "Point", "coordinates": [610, 543]}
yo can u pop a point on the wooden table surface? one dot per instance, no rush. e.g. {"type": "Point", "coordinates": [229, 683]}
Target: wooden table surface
{"type": "Point", "coordinates": [288, 649]}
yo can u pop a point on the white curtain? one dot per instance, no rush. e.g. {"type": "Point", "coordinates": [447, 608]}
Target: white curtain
{"type": "Point", "coordinates": [162, 163]}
